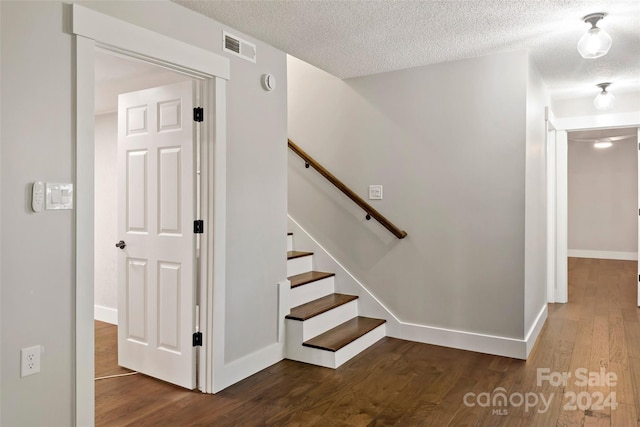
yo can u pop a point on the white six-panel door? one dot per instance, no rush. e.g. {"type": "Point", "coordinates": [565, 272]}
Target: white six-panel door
{"type": "Point", "coordinates": [156, 205]}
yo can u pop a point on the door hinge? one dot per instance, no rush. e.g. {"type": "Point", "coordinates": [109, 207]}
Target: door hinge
{"type": "Point", "coordinates": [198, 226]}
{"type": "Point", "coordinates": [198, 114]}
{"type": "Point", "coordinates": [197, 339]}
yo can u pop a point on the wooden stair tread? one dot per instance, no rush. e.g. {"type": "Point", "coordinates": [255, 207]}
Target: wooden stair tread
{"type": "Point", "coordinates": [338, 337]}
{"type": "Point", "coordinates": [297, 254]}
{"type": "Point", "coordinates": [308, 277]}
{"type": "Point", "coordinates": [319, 306]}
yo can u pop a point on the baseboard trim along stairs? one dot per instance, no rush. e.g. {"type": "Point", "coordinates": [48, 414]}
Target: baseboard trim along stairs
{"type": "Point", "coordinates": [323, 327]}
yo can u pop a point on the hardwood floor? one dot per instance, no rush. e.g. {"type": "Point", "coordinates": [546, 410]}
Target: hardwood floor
{"type": "Point", "coordinates": [402, 383]}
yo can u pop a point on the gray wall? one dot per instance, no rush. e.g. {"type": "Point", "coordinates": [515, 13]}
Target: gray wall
{"type": "Point", "coordinates": [36, 249]}
{"type": "Point", "coordinates": [603, 196]}
{"type": "Point", "coordinates": [106, 202]}
{"type": "Point", "coordinates": [448, 142]}
{"type": "Point", "coordinates": [37, 278]}
{"type": "Point", "coordinates": [535, 294]}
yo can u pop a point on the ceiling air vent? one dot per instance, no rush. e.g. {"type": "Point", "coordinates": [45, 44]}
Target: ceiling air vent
{"type": "Point", "coordinates": [238, 47]}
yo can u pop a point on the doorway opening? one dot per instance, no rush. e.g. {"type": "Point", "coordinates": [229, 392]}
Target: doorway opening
{"type": "Point", "coordinates": [171, 150]}
{"type": "Point", "coordinates": [95, 30]}
{"type": "Point", "coordinates": [602, 195]}
{"type": "Point", "coordinates": [557, 187]}
{"type": "Point", "coordinates": [114, 75]}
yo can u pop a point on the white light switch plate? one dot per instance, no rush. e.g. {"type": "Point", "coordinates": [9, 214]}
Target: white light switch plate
{"type": "Point", "coordinates": [375, 192]}
{"type": "Point", "coordinates": [59, 196]}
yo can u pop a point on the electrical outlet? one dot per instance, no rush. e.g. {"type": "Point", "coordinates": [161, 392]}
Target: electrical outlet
{"type": "Point", "coordinates": [29, 361]}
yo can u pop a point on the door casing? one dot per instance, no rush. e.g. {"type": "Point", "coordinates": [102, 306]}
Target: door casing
{"type": "Point", "coordinates": [95, 30]}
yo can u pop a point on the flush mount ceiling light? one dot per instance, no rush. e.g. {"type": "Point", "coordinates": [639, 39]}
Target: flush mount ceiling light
{"type": "Point", "coordinates": [595, 42]}
{"type": "Point", "coordinates": [603, 144]}
{"type": "Point", "coordinates": [604, 100]}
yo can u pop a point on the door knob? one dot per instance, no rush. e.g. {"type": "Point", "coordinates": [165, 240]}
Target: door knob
{"type": "Point", "coordinates": [121, 244]}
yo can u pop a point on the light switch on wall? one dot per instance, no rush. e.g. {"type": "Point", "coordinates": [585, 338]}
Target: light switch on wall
{"type": "Point", "coordinates": [58, 196]}
{"type": "Point", "coordinates": [375, 192]}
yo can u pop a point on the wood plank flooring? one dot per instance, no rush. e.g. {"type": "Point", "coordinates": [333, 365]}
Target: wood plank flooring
{"type": "Point", "coordinates": [402, 383]}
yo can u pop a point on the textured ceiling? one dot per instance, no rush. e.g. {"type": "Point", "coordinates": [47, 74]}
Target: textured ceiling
{"type": "Point", "coordinates": [356, 38]}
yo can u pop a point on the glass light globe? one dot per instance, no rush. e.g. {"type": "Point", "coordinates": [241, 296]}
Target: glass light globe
{"type": "Point", "coordinates": [604, 100]}
{"type": "Point", "coordinates": [594, 43]}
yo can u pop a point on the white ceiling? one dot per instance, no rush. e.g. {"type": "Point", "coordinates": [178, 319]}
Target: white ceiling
{"type": "Point", "coordinates": [356, 38]}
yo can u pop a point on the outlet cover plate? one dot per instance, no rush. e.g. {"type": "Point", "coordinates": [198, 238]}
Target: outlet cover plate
{"type": "Point", "coordinates": [30, 361]}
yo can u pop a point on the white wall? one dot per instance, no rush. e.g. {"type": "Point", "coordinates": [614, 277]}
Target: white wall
{"type": "Point", "coordinates": [602, 198]}
{"type": "Point", "coordinates": [106, 265]}
{"type": "Point", "coordinates": [448, 143]}
{"type": "Point", "coordinates": [535, 293]}
{"type": "Point", "coordinates": [37, 249]}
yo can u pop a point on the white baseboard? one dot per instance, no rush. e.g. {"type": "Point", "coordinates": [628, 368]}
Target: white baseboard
{"type": "Point", "coordinates": [534, 331]}
{"type": "Point", "coordinates": [370, 306]}
{"type": "Point", "coordinates": [481, 343]}
{"type": "Point", "coordinates": [625, 256]}
{"type": "Point", "coordinates": [463, 340]}
{"type": "Point", "coordinates": [105, 314]}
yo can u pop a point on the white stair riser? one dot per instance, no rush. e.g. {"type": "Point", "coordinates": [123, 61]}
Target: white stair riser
{"type": "Point", "coordinates": [310, 355]}
{"type": "Point", "coordinates": [289, 242]}
{"type": "Point", "coordinates": [299, 265]}
{"type": "Point", "coordinates": [330, 359]}
{"type": "Point", "coordinates": [322, 322]}
{"type": "Point", "coordinates": [311, 291]}
{"type": "Point", "coordinates": [347, 352]}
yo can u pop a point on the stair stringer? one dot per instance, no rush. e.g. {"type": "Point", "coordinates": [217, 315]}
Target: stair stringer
{"type": "Point", "coordinates": [345, 282]}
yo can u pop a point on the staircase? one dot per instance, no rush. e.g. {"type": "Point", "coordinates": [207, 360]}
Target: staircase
{"type": "Point", "coordinates": [323, 327]}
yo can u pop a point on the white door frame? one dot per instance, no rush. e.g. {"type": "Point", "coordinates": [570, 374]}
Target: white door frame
{"type": "Point", "coordinates": [558, 220]}
{"type": "Point", "coordinates": [92, 29]}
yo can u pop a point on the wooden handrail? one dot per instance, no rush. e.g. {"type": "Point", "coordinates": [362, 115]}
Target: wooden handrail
{"type": "Point", "coordinates": [370, 211]}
